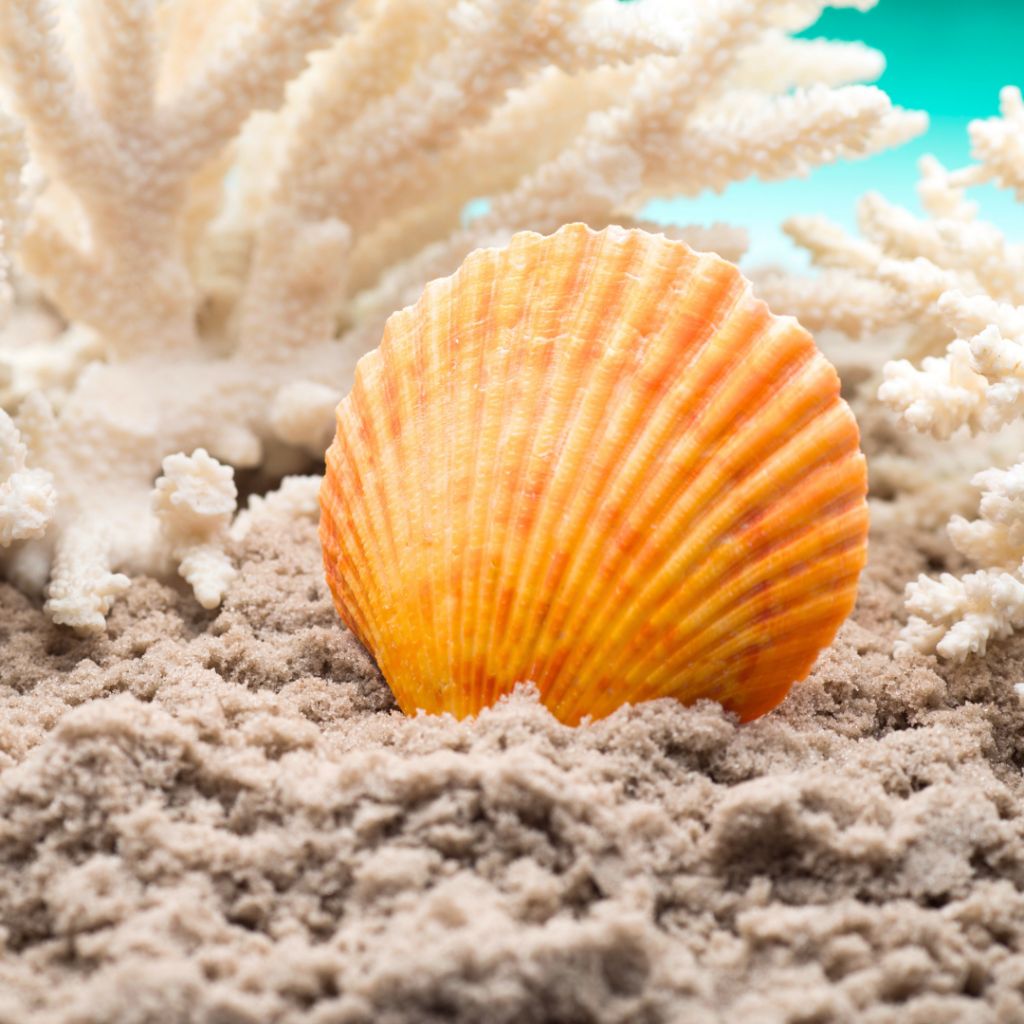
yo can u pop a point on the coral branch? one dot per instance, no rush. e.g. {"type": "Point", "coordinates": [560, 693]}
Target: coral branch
{"type": "Point", "coordinates": [839, 299]}
{"type": "Point", "coordinates": [120, 51]}
{"type": "Point", "coordinates": [27, 499]}
{"type": "Point", "coordinates": [779, 63]}
{"type": "Point", "coordinates": [194, 501]}
{"type": "Point", "coordinates": [786, 137]}
{"type": "Point", "coordinates": [82, 587]}
{"type": "Point", "coordinates": [998, 143]}
{"type": "Point", "coordinates": [13, 157]}
{"type": "Point", "coordinates": [65, 129]}
{"type": "Point", "coordinates": [952, 287]}
{"type": "Point", "coordinates": [249, 71]}
{"type": "Point", "coordinates": [956, 618]}
{"type": "Point", "coordinates": [943, 396]}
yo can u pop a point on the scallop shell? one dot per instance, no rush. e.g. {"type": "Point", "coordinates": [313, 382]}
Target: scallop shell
{"type": "Point", "coordinates": [593, 461]}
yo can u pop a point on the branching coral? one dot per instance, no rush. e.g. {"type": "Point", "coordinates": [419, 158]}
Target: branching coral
{"type": "Point", "coordinates": [958, 285]}
{"type": "Point", "coordinates": [27, 500]}
{"type": "Point", "coordinates": [225, 200]}
{"type": "Point", "coordinates": [194, 500]}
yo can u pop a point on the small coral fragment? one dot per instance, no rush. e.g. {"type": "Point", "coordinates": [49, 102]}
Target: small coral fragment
{"type": "Point", "coordinates": [27, 498]}
{"type": "Point", "coordinates": [82, 588]}
{"type": "Point", "coordinates": [298, 497]}
{"type": "Point", "coordinates": [956, 617]}
{"type": "Point", "coordinates": [195, 500]}
{"type": "Point", "coordinates": [939, 398]}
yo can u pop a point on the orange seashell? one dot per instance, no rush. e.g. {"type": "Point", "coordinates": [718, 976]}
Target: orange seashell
{"type": "Point", "coordinates": [595, 462]}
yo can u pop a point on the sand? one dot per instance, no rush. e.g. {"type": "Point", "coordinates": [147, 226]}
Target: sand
{"type": "Point", "coordinates": [222, 817]}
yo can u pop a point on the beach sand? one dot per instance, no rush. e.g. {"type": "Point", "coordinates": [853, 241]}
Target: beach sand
{"type": "Point", "coordinates": [221, 816]}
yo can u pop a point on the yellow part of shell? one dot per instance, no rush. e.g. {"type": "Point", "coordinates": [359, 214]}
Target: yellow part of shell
{"type": "Point", "coordinates": [593, 461]}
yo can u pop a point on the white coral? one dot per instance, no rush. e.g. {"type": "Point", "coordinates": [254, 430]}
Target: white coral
{"type": "Point", "coordinates": [195, 500]}
{"type": "Point", "coordinates": [233, 198]}
{"type": "Point", "coordinates": [296, 499]}
{"type": "Point", "coordinates": [13, 158]}
{"type": "Point", "coordinates": [958, 284]}
{"type": "Point", "coordinates": [998, 144]}
{"type": "Point", "coordinates": [956, 617]}
{"type": "Point", "coordinates": [944, 395]}
{"type": "Point", "coordinates": [27, 498]}
{"type": "Point", "coordinates": [82, 588]}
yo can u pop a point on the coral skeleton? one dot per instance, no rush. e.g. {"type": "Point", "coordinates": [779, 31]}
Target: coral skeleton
{"type": "Point", "coordinates": [209, 210]}
{"type": "Point", "coordinates": [957, 285]}
{"type": "Point", "coordinates": [298, 498]}
{"type": "Point", "coordinates": [194, 501]}
{"type": "Point", "coordinates": [27, 500]}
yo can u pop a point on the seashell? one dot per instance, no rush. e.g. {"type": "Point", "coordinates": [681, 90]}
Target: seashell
{"type": "Point", "coordinates": [595, 462]}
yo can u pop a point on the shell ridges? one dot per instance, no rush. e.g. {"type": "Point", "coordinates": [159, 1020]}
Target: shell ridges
{"type": "Point", "coordinates": [593, 461]}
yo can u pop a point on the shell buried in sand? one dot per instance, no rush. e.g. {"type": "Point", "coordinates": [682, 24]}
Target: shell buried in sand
{"type": "Point", "coordinates": [593, 461]}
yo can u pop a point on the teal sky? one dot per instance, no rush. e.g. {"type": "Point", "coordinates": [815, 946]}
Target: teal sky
{"type": "Point", "coordinates": [947, 57]}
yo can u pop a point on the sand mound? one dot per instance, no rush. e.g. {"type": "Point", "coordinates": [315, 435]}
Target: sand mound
{"type": "Point", "coordinates": [221, 817]}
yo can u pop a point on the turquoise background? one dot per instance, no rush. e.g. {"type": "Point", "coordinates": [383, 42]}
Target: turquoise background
{"type": "Point", "coordinates": [947, 57]}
